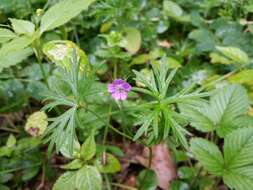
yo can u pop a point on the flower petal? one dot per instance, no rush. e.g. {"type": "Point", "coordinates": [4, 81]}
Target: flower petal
{"type": "Point", "coordinates": [118, 82]}
{"type": "Point", "coordinates": [112, 88]}
{"type": "Point", "coordinates": [123, 95]}
{"type": "Point", "coordinates": [116, 96]}
{"type": "Point", "coordinates": [127, 87]}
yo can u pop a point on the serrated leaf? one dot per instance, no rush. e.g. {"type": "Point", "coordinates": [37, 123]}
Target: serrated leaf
{"type": "Point", "coordinates": [221, 113]}
{"type": "Point", "coordinates": [22, 26]}
{"type": "Point", "coordinates": [88, 149]}
{"type": "Point", "coordinates": [133, 38]}
{"type": "Point", "coordinates": [6, 35]}
{"type": "Point", "coordinates": [234, 54]}
{"type": "Point", "coordinates": [238, 148]}
{"type": "Point", "coordinates": [229, 103]}
{"type": "Point", "coordinates": [66, 181]}
{"type": "Point", "coordinates": [88, 178]}
{"type": "Point", "coordinates": [238, 156]}
{"type": "Point", "coordinates": [197, 113]}
{"type": "Point", "coordinates": [111, 164]}
{"type": "Point", "coordinates": [208, 154]}
{"type": "Point", "coordinates": [62, 12]}
{"type": "Point", "coordinates": [239, 180]}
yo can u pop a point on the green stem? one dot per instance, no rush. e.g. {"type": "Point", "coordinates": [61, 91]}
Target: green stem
{"type": "Point", "coordinates": [115, 69]}
{"type": "Point", "coordinates": [125, 109]}
{"type": "Point", "coordinates": [106, 127]}
{"type": "Point", "coordinates": [123, 186]}
{"type": "Point", "coordinates": [39, 58]}
{"type": "Point", "coordinates": [195, 178]}
{"type": "Point", "coordinates": [110, 126]}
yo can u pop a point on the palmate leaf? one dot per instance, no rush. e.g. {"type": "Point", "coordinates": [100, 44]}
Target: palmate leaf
{"type": "Point", "coordinates": [62, 12]}
{"type": "Point", "coordinates": [61, 131]}
{"type": "Point", "coordinates": [162, 119]}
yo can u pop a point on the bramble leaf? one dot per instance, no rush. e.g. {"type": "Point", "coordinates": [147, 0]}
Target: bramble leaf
{"type": "Point", "coordinates": [208, 154]}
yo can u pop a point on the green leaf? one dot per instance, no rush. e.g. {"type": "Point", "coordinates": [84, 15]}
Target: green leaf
{"type": "Point", "coordinates": [238, 156]}
{"type": "Point", "coordinates": [22, 26]}
{"type": "Point", "coordinates": [204, 38]}
{"type": "Point", "coordinates": [197, 113]}
{"type": "Point", "coordinates": [222, 112]}
{"type": "Point", "coordinates": [88, 149]}
{"type": "Point", "coordinates": [75, 164]}
{"type": "Point", "coordinates": [217, 58]}
{"type": "Point", "coordinates": [239, 180]}
{"type": "Point", "coordinates": [16, 44]}
{"type": "Point", "coordinates": [234, 54]}
{"type": "Point", "coordinates": [66, 151]}
{"type": "Point", "coordinates": [185, 172]}
{"type": "Point", "coordinates": [88, 178]}
{"type": "Point", "coordinates": [229, 103]}
{"type": "Point", "coordinates": [62, 12]}
{"type": "Point", "coordinates": [243, 77]}
{"type": "Point", "coordinates": [238, 148]}
{"type": "Point", "coordinates": [14, 57]}
{"type": "Point", "coordinates": [147, 180]}
{"type": "Point", "coordinates": [3, 187]}
{"type": "Point", "coordinates": [15, 51]}
{"type": "Point", "coordinates": [61, 51]}
{"type": "Point", "coordinates": [11, 141]}
{"type": "Point", "coordinates": [111, 164]}
{"type": "Point", "coordinates": [208, 154]}
{"type": "Point", "coordinates": [66, 181]}
{"type": "Point", "coordinates": [6, 35]}
{"type": "Point", "coordinates": [133, 38]}
{"type": "Point", "coordinates": [172, 9]}
{"type": "Point", "coordinates": [5, 151]}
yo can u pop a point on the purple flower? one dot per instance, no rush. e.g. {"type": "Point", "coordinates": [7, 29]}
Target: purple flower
{"type": "Point", "coordinates": [119, 89]}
